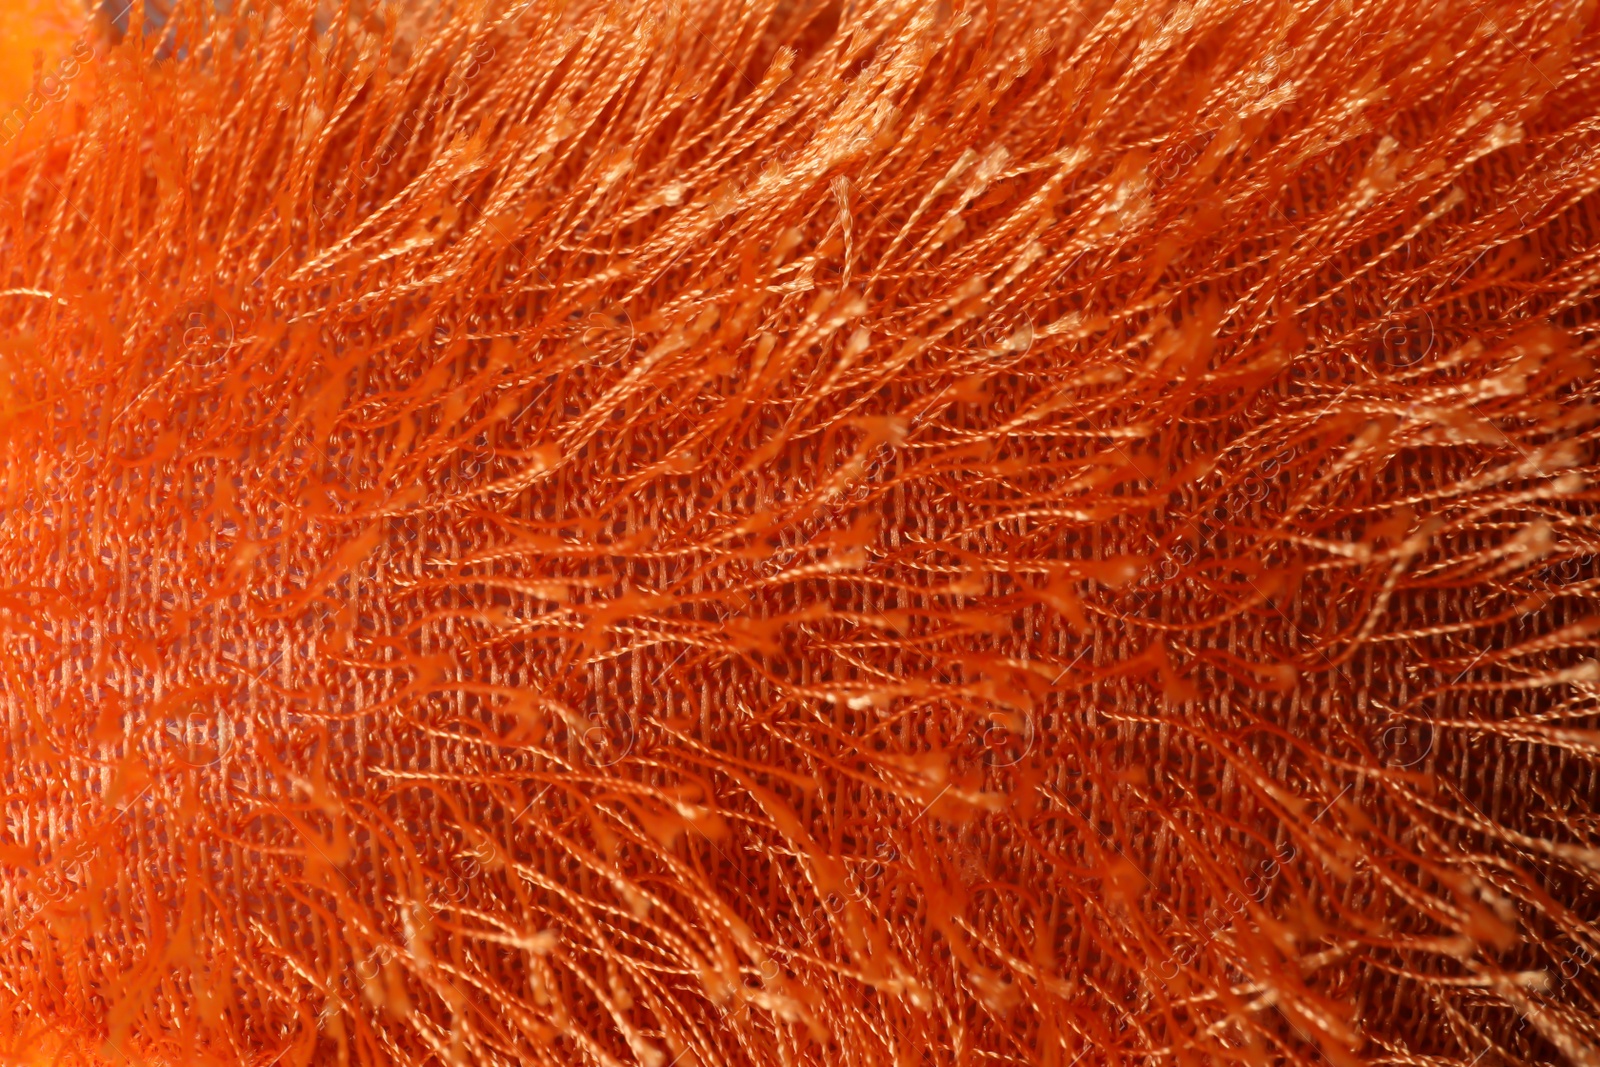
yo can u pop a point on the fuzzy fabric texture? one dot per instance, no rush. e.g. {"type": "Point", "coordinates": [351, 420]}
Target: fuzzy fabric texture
{"type": "Point", "coordinates": [775, 533]}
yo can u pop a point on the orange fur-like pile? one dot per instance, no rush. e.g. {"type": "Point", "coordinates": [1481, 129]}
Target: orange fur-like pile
{"type": "Point", "coordinates": [804, 533]}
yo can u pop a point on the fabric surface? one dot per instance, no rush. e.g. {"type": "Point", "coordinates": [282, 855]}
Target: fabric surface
{"type": "Point", "coordinates": [791, 533]}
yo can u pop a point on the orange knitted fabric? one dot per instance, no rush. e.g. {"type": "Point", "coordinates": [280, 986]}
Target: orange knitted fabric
{"type": "Point", "coordinates": [767, 532]}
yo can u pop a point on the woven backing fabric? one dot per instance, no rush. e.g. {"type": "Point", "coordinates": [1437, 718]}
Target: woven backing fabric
{"type": "Point", "coordinates": [709, 533]}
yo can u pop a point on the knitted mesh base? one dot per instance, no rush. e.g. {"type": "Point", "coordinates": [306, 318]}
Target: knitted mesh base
{"type": "Point", "coordinates": [799, 533]}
